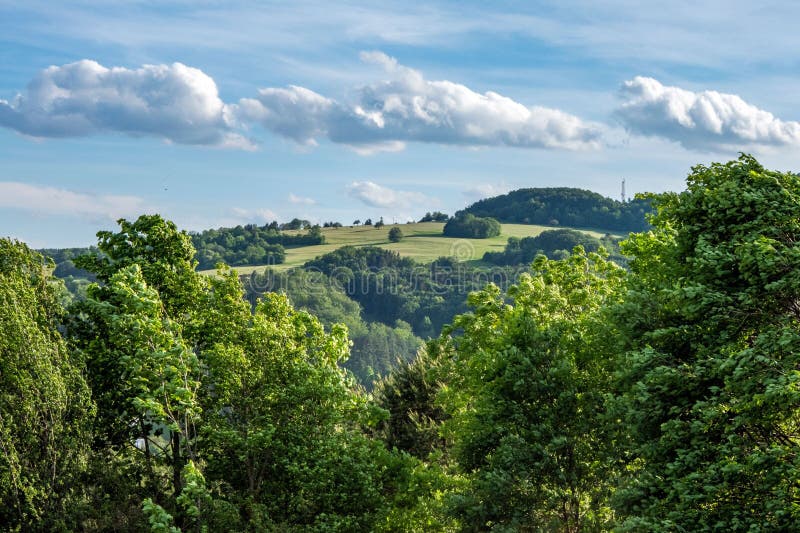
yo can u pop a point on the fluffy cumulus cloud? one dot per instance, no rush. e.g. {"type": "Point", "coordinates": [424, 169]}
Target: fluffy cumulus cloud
{"type": "Point", "coordinates": [177, 103]}
{"type": "Point", "coordinates": [375, 195]}
{"type": "Point", "coordinates": [181, 104]}
{"type": "Point", "coordinates": [705, 120]}
{"type": "Point", "coordinates": [46, 200]}
{"type": "Point", "coordinates": [408, 108]}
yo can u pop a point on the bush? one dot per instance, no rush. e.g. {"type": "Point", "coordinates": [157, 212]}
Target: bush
{"type": "Point", "coordinates": [395, 234]}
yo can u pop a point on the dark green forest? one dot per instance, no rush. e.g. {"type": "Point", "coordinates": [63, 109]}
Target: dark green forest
{"type": "Point", "coordinates": [574, 394]}
{"type": "Point", "coordinates": [563, 206]}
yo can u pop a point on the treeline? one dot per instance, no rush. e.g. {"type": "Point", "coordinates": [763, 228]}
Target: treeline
{"type": "Point", "coordinates": [583, 397]}
{"type": "Point", "coordinates": [555, 244]}
{"type": "Point", "coordinates": [252, 244]}
{"type": "Point", "coordinates": [563, 206]}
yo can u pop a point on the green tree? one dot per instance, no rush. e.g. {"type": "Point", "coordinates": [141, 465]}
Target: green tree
{"type": "Point", "coordinates": [45, 405]}
{"type": "Point", "coordinates": [471, 227]}
{"type": "Point", "coordinates": [162, 374]}
{"type": "Point", "coordinates": [709, 383]}
{"type": "Point", "coordinates": [395, 234]}
{"type": "Point", "coordinates": [284, 431]}
{"type": "Point", "coordinates": [524, 393]}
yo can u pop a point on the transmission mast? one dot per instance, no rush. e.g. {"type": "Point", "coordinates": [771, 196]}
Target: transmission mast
{"type": "Point", "coordinates": [622, 196]}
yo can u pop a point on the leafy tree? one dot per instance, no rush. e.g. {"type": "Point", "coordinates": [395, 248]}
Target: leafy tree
{"type": "Point", "coordinates": [525, 396]}
{"type": "Point", "coordinates": [395, 234]}
{"type": "Point", "coordinates": [284, 430]}
{"type": "Point", "coordinates": [368, 222]}
{"type": "Point", "coordinates": [471, 227]}
{"type": "Point", "coordinates": [379, 223]}
{"type": "Point", "coordinates": [162, 374]}
{"type": "Point", "coordinates": [710, 381]}
{"type": "Point", "coordinates": [45, 405]}
{"type": "Point", "coordinates": [436, 216]}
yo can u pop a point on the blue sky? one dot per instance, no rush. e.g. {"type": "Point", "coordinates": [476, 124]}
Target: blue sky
{"type": "Point", "coordinates": [220, 113]}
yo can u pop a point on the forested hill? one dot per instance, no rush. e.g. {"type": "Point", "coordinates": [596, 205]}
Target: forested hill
{"type": "Point", "coordinates": [563, 206]}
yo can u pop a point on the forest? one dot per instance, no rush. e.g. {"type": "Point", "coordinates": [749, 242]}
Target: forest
{"type": "Point", "coordinates": [563, 206]}
{"type": "Point", "coordinates": [576, 393]}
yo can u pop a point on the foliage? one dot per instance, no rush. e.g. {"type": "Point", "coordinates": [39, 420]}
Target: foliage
{"type": "Point", "coordinates": [395, 234]}
{"type": "Point", "coordinates": [251, 244]}
{"type": "Point", "coordinates": [283, 423]}
{"type": "Point", "coordinates": [709, 384]}
{"type": "Point", "coordinates": [555, 244]}
{"type": "Point", "coordinates": [45, 405]}
{"type": "Point", "coordinates": [376, 347]}
{"type": "Point", "coordinates": [391, 288]}
{"type": "Point", "coordinates": [563, 206]}
{"type": "Point", "coordinates": [469, 226]}
{"type": "Point", "coordinates": [525, 395]}
{"type": "Point", "coordinates": [436, 216]}
{"type": "Point", "coordinates": [408, 394]}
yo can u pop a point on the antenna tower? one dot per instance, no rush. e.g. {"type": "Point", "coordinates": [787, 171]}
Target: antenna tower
{"type": "Point", "coordinates": [622, 196]}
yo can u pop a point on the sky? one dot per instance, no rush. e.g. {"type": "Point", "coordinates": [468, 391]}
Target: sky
{"type": "Point", "coordinates": [222, 113]}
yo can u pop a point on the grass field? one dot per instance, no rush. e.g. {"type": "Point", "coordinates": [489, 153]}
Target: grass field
{"type": "Point", "coordinates": [422, 241]}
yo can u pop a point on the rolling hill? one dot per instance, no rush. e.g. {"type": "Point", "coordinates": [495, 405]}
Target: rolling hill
{"type": "Point", "coordinates": [423, 242]}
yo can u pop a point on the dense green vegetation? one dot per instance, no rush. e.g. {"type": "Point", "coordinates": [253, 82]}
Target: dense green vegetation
{"type": "Point", "coordinates": [555, 244]}
{"type": "Point", "coordinates": [582, 396]}
{"type": "Point", "coordinates": [471, 227]}
{"type": "Point", "coordinates": [252, 244]}
{"type": "Point", "coordinates": [563, 206]}
{"type": "Point", "coordinates": [436, 216]}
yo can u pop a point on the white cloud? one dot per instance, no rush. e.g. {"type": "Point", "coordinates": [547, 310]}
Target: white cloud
{"type": "Point", "coordinates": [248, 216]}
{"type": "Point", "coordinates": [705, 120]}
{"type": "Point", "coordinates": [303, 200]}
{"type": "Point", "coordinates": [486, 190]}
{"type": "Point", "coordinates": [294, 112]}
{"type": "Point", "coordinates": [375, 195]}
{"type": "Point", "coordinates": [177, 103]}
{"type": "Point", "coordinates": [408, 108]}
{"type": "Point", "coordinates": [45, 200]}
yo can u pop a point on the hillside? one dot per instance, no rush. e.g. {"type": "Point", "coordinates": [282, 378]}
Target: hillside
{"type": "Point", "coordinates": [563, 206]}
{"type": "Point", "coordinates": [423, 242]}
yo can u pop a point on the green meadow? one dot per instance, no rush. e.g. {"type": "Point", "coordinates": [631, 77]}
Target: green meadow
{"type": "Point", "coordinates": [422, 241]}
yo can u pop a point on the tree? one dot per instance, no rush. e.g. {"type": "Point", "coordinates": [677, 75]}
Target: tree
{"type": "Point", "coordinates": [356, 222]}
{"type": "Point", "coordinates": [709, 388]}
{"type": "Point", "coordinates": [471, 227]}
{"type": "Point", "coordinates": [162, 374]}
{"type": "Point", "coordinates": [379, 223]}
{"type": "Point", "coordinates": [395, 234]}
{"type": "Point", "coordinates": [45, 404]}
{"type": "Point", "coordinates": [368, 222]}
{"type": "Point", "coordinates": [524, 393]}
{"type": "Point", "coordinates": [436, 216]}
{"type": "Point", "coordinates": [283, 431]}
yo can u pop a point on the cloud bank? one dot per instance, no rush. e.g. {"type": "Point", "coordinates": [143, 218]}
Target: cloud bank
{"type": "Point", "coordinates": [173, 102]}
{"type": "Point", "coordinates": [45, 200]}
{"type": "Point", "coordinates": [408, 108]}
{"type": "Point", "coordinates": [706, 120]}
